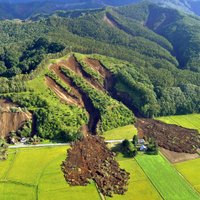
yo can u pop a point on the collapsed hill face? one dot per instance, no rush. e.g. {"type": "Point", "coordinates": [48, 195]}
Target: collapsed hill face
{"type": "Point", "coordinates": [84, 82]}
{"type": "Point", "coordinates": [12, 118]}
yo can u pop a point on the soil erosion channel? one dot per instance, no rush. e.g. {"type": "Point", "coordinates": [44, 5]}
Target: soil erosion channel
{"type": "Point", "coordinates": [78, 96]}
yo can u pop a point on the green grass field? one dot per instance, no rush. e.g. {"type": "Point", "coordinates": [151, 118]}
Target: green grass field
{"type": "Point", "coordinates": [35, 174]}
{"type": "Point", "coordinates": [189, 121]}
{"type": "Point", "coordinates": [166, 178]}
{"type": "Point", "coordinates": [125, 132]}
{"type": "Point", "coordinates": [140, 188]}
{"type": "Point", "coordinates": [191, 171]}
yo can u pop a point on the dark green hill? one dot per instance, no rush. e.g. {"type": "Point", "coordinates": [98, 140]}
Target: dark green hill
{"type": "Point", "coordinates": [152, 56]}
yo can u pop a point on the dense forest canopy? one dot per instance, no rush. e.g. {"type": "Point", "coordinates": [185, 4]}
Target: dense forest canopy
{"type": "Point", "coordinates": [154, 50]}
{"type": "Point", "coordinates": [23, 9]}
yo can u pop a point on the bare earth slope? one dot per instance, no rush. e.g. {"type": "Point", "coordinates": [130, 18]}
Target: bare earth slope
{"type": "Point", "coordinates": [11, 121]}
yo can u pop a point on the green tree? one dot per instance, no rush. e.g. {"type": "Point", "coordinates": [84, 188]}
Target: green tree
{"type": "Point", "coordinates": [3, 149]}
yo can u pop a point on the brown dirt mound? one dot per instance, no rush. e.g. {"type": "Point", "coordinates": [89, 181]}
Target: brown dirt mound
{"type": "Point", "coordinates": [171, 137]}
{"type": "Point", "coordinates": [11, 121]}
{"type": "Point", "coordinates": [91, 159]}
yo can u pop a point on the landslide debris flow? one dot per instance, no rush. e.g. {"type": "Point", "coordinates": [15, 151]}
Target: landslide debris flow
{"type": "Point", "coordinates": [171, 137]}
{"type": "Point", "coordinates": [90, 158]}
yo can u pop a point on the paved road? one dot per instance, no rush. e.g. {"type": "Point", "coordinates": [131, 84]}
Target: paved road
{"type": "Point", "coordinates": [53, 145]}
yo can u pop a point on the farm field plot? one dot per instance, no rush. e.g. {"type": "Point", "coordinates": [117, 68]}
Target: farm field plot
{"type": "Point", "coordinates": [188, 121]}
{"type": "Point", "coordinates": [166, 179]}
{"type": "Point", "coordinates": [140, 187]}
{"type": "Point", "coordinates": [125, 132]}
{"type": "Point", "coordinates": [35, 173]}
{"type": "Point", "coordinates": [190, 170]}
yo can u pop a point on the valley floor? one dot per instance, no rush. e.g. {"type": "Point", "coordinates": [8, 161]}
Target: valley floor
{"type": "Point", "coordinates": [35, 174]}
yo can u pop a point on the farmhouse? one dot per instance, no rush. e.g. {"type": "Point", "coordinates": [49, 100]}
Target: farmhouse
{"type": "Point", "coordinates": [143, 148]}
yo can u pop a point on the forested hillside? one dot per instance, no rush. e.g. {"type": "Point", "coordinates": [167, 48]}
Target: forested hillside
{"type": "Point", "coordinates": [23, 9]}
{"type": "Point", "coordinates": [149, 56]}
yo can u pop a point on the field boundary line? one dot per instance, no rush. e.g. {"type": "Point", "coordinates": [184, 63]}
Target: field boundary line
{"type": "Point", "coordinates": [41, 174]}
{"type": "Point", "coordinates": [161, 195]}
{"type": "Point", "coordinates": [181, 175]}
{"type": "Point", "coordinates": [17, 183]}
{"type": "Point", "coordinates": [4, 177]}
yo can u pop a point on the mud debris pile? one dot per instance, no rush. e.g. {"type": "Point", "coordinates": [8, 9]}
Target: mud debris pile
{"type": "Point", "coordinates": [90, 159]}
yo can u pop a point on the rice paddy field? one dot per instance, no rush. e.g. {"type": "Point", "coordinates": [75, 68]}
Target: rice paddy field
{"type": "Point", "coordinates": [166, 179]}
{"type": "Point", "coordinates": [140, 187]}
{"type": "Point", "coordinates": [35, 174]}
{"type": "Point", "coordinates": [188, 121]}
{"type": "Point", "coordinates": [191, 171]}
{"type": "Point", "coordinates": [121, 133]}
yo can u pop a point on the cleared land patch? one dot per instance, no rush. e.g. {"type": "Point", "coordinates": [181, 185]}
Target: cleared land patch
{"type": "Point", "coordinates": [175, 157]}
{"type": "Point", "coordinates": [190, 170]}
{"type": "Point", "coordinates": [166, 179]}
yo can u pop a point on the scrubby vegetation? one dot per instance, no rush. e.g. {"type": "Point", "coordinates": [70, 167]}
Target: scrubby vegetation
{"type": "Point", "coordinates": [3, 149]}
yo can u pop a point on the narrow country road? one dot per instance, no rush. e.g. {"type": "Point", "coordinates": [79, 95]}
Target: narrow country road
{"type": "Point", "coordinates": [53, 145]}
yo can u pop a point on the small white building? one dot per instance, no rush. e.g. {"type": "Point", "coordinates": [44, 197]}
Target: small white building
{"type": "Point", "coordinates": [143, 148]}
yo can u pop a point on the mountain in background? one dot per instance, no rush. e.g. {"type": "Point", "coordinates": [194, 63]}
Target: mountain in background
{"type": "Point", "coordinates": [190, 6]}
{"type": "Point", "coordinates": [23, 9]}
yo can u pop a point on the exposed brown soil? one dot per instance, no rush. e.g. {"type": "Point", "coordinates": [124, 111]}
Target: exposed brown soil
{"type": "Point", "coordinates": [91, 159]}
{"type": "Point", "coordinates": [175, 157]}
{"type": "Point", "coordinates": [171, 137]}
{"type": "Point", "coordinates": [97, 66]}
{"type": "Point", "coordinates": [57, 70]}
{"type": "Point", "coordinates": [11, 121]}
{"type": "Point", "coordinates": [82, 98]}
{"type": "Point", "coordinates": [72, 64]}
{"type": "Point", "coordinates": [61, 93]}
{"type": "Point", "coordinates": [111, 21]}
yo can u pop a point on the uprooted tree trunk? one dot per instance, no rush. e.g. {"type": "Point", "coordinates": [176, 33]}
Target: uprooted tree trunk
{"type": "Point", "coordinates": [91, 159]}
